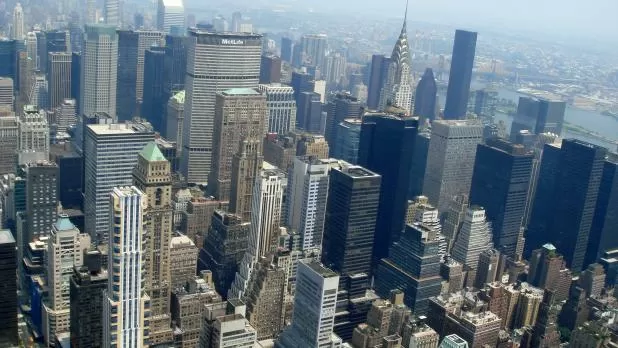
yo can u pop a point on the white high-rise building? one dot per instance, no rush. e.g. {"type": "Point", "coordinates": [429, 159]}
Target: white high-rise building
{"type": "Point", "coordinates": [33, 135]}
{"type": "Point", "coordinates": [171, 15]}
{"type": "Point", "coordinates": [110, 154]}
{"type": "Point", "coordinates": [281, 108]}
{"type": "Point", "coordinates": [65, 249]}
{"type": "Point", "coordinates": [306, 202]}
{"type": "Point", "coordinates": [39, 92]}
{"type": "Point", "coordinates": [32, 49]}
{"type": "Point", "coordinates": [99, 70]}
{"type": "Point", "coordinates": [450, 160]}
{"type": "Point", "coordinates": [314, 309]}
{"type": "Point", "coordinates": [265, 224]}
{"type": "Point", "coordinates": [112, 12]}
{"type": "Point", "coordinates": [18, 22]}
{"type": "Point", "coordinates": [474, 237]}
{"type": "Point", "coordinates": [6, 94]}
{"type": "Point", "coordinates": [66, 114]}
{"type": "Point", "coordinates": [215, 62]}
{"type": "Point", "coordinates": [125, 306]}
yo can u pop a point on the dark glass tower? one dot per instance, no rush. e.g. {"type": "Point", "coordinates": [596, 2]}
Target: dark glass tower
{"type": "Point", "coordinates": [419, 164]}
{"type": "Point", "coordinates": [413, 266]}
{"type": "Point", "coordinates": [8, 58]}
{"type": "Point", "coordinates": [175, 63]}
{"type": "Point", "coordinates": [377, 75]}
{"type": "Point", "coordinates": [309, 112]}
{"type": "Point", "coordinates": [76, 61]}
{"type": "Point", "coordinates": [564, 207]}
{"type": "Point", "coordinates": [386, 144]}
{"type": "Point", "coordinates": [426, 97]}
{"type": "Point", "coordinates": [126, 82]}
{"type": "Point", "coordinates": [8, 290]}
{"type": "Point", "coordinates": [341, 106]}
{"type": "Point", "coordinates": [270, 69]}
{"type": "Point", "coordinates": [287, 46]}
{"type": "Point", "coordinates": [154, 101]}
{"type": "Point", "coordinates": [351, 212]}
{"type": "Point", "coordinates": [301, 82]}
{"type": "Point", "coordinates": [460, 76]}
{"type": "Point", "coordinates": [538, 116]}
{"type": "Point", "coordinates": [500, 184]}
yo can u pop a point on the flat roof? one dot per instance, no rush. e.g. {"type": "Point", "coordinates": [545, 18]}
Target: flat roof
{"type": "Point", "coordinates": [114, 128]}
{"type": "Point", "coordinates": [321, 269]}
{"type": "Point", "coordinates": [241, 91]}
{"type": "Point", "coordinates": [6, 237]}
{"type": "Point", "coordinates": [173, 3]}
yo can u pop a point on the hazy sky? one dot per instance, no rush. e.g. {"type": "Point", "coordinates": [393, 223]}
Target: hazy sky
{"type": "Point", "coordinates": [585, 19]}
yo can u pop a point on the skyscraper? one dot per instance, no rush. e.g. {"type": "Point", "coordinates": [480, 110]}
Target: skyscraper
{"type": "Point", "coordinates": [52, 41]}
{"type": "Point", "coordinates": [8, 299]}
{"type": "Point", "coordinates": [66, 114]}
{"type": "Point", "coordinates": [126, 304]}
{"type": "Point", "coordinates": [65, 249]}
{"type": "Point", "coordinates": [171, 16]}
{"type": "Point", "coordinates": [500, 183]}
{"type": "Point", "coordinates": [314, 309]}
{"type": "Point", "coordinates": [8, 58]}
{"type": "Point", "coordinates": [270, 69]}
{"type": "Point", "coordinates": [9, 141]}
{"type": "Point", "coordinates": [398, 82]}
{"type": "Point", "coordinates": [152, 176]}
{"type": "Point", "coordinates": [59, 77]}
{"type": "Point", "coordinates": [33, 132]}
{"type": "Point", "coordinates": [473, 239]}
{"type": "Point", "coordinates": [234, 63]}
{"type": "Point", "coordinates": [606, 213]}
{"type": "Point", "coordinates": [566, 199]}
{"type": "Point", "coordinates": [313, 49]}
{"type": "Point", "coordinates": [347, 140]}
{"type": "Point", "coordinates": [99, 70]}
{"type": "Point", "coordinates": [387, 140]}
{"type": "Point", "coordinates": [538, 116]}
{"type": "Point", "coordinates": [419, 164]}
{"type": "Point", "coordinates": [246, 166]}
{"type": "Point", "coordinates": [286, 49]}
{"type": "Point", "coordinates": [351, 213]}
{"type": "Point", "coordinates": [309, 114]}
{"type": "Point", "coordinates": [132, 46]}
{"type": "Point", "coordinates": [340, 107]}
{"type": "Point", "coordinates": [112, 13]}
{"type": "Point", "coordinates": [460, 76]}
{"type": "Point", "coordinates": [413, 266]}
{"type": "Point", "coordinates": [175, 63]}
{"type": "Point", "coordinates": [281, 108]}
{"type": "Point", "coordinates": [450, 162]}
{"type": "Point", "coordinates": [240, 114]}
{"type": "Point", "coordinates": [17, 32]}
{"type": "Point", "coordinates": [41, 199]}
{"type": "Point", "coordinates": [154, 99]}
{"type": "Point", "coordinates": [306, 202]}
{"type": "Point", "coordinates": [425, 100]}
{"type": "Point", "coordinates": [110, 153]}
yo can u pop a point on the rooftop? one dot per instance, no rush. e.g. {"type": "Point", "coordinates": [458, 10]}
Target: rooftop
{"type": "Point", "coordinates": [63, 223]}
{"type": "Point", "coordinates": [321, 269]}
{"type": "Point", "coordinates": [151, 153]}
{"type": "Point", "coordinates": [110, 129]}
{"type": "Point", "coordinates": [6, 237]}
{"type": "Point", "coordinates": [179, 97]}
{"type": "Point", "coordinates": [173, 3]}
{"type": "Point", "coordinates": [241, 91]}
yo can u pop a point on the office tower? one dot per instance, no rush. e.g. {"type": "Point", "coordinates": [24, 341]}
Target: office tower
{"type": "Point", "coordinates": [460, 75]}
{"type": "Point", "coordinates": [387, 140]}
{"type": "Point", "coordinates": [306, 202]}
{"type": "Point", "coordinates": [224, 247]}
{"type": "Point", "coordinates": [575, 311]}
{"type": "Point", "coordinates": [65, 250]}
{"type": "Point", "coordinates": [71, 174]}
{"type": "Point", "coordinates": [227, 330]}
{"type": "Point", "coordinates": [39, 92]}
{"type": "Point", "coordinates": [59, 77]}
{"type": "Point", "coordinates": [398, 82]}
{"type": "Point", "coordinates": [312, 146]}
{"type": "Point", "coordinates": [287, 45]}
{"type": "Point", "coordinates": [419, 164]}
{"type": "Point", "coordinates": [450, 161]}
{"type": "Point", "coordinates": [453, 341]}
{"type": "Point", "coordinates": [110, 153]}
{"type": "Point", "coordinates": [309, 112]}
{"type": "Point", "coordinates": [575, 170]}
{"type": "Point", "coordinates": [452, 272]}
{"type": "Point", "coordinates": [8, 299]}
{"type": "Point", "coordinates": [99, 66]}
{"type": "Point", "coordinates": [270, 69]}
{"type": "Point", "coordinates": [189, 305]}
{"type": "Point", "coordinates": [592, 280]}
{"type": "Point", "coordinates": [25, 67]}
{"type": "Point", "coordinates": [170, 16]}
{"type": "Point", "coordinates": [76, 61]}
{"type": "Point", "coordinates": [175, 118]}
{"type": "Point", "coordinates": [335, 69]}
{"type": "Point", "coordinates": [538, 116]}
{"type": "Point", "coordinates": [500, 183]}
{"type": "Point", "coordinates": [314, 309]}
{"type": "Point", "coordinates": [183, 261]}
{"type": "Point", "coordinates": [132, 46]}
{"type": "Point", "coordinates": [153, 100]}
{"type": "Point", "coordinates": [420, 211]}
{"type": "Point", "coordinates": [545, 330]}
{"type": "Point", "coordinates": [547, 269]}
{"type": "Point", "coordinates": [17, 31]}
{"type": "Point", "coordinates": [51, 41]}
{"type": "Point", "coordinates": [41, 198]}
{"type": "Point", "coordinates": [347, 140]}
{"type": "Point", "coordinates": [112, 13]}
{"type": "Point", "coordinates": [8, 58]}
{"type": "Point", "coordinates": [426, 98]}
{"type": "Point", "coordinates": [126, 304]}
{"type": "Point", "coordinates": [528, 305]}
{"type": "Point", "coordinates": [412, 266]}
{"type": "Point", "coordinates": [152, 176]}
{"type": "Point", "coordinates": [606, 213]}
{"type": "Point", "coordinates": [198, 216]}
{"type": "Point", "coordinates": [280, 150]}
{"type": "Point", "coordinates": [9, 141]}
{"type": "Point", "coordinates": [246, 166]}
{"type": "Point", "coordinates": [340, 107]}
{"type": "Point", "coordinates": [314, 49]}
{"type": "Point", "coordinates": [6, 94]}
{"type": "Point", "coordinates": [66, 115]}
{"type": "Point", "coordinates": [301, 82]}
{"type": "Point", "coordinates": [240, 114]}
{"type": "Point", "coordinates": [86, 300]}
{"type": "Point", "coordinates": [33, 132]}
{"type": "Point", "coordinates": [264, 234]}
{"type": "Point", "coordinates": [487, 271]}
{"type": "Point", "coordinates": [281, 107]}
{"type": "Point", "coordinates": [351, 213]}
{"type": "Point", "coordinates": [175, 63]}
{"type": "Point", "coordinates": [236, 55]}
{"type": "Point", "coordinates": [473, 239]}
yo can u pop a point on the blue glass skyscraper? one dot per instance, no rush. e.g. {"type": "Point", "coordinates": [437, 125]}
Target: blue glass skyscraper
{"type": "Point", "coordinates": [460, 76]}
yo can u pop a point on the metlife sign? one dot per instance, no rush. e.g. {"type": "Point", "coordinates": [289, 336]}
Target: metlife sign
{"type": "Point", "coordinates": [219, 39]}
{"type": "Point", "coordinates": [232, 42]}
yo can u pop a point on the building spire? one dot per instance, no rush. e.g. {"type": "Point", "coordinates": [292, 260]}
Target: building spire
{"type": "Point", "coordinates": [405, 17]}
